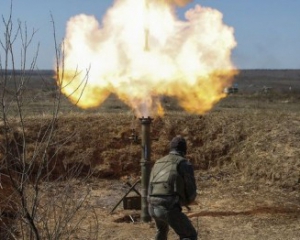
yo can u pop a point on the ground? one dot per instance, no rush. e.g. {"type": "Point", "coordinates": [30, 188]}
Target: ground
{"type": "Point", "coordinates": [245, 152]}
{"type": "Point", "coordinates": [225, 209]}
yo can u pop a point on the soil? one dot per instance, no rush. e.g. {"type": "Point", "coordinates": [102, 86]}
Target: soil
{"type": "Point", "coordinates": [224, 209]}
{"type": "Point", "coordinates": [246, 154]}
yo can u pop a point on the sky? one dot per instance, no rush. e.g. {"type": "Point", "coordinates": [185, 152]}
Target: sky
{"type": "Point", "coordinates": [267, 32]}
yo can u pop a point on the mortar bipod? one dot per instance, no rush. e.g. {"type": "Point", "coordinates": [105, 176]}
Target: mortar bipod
{"type": "Point", "coordinates": [132, 188]}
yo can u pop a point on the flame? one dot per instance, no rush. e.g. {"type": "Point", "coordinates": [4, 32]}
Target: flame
{"type": "Point", "coordinates": [142, 51]}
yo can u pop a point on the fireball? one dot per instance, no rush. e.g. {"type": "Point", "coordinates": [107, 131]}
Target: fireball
{"type": "Point", "coordinates": [142, 51]}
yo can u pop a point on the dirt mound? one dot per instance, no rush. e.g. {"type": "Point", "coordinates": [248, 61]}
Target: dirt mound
{"type": "Point", "coordinates": [257, 146]}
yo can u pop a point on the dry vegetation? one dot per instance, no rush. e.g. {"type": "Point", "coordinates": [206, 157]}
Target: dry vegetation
{"type": "Point", "coordinates": [245, 152]}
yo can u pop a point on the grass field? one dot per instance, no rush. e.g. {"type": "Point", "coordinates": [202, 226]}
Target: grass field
{"type": "Point", "coordinates": [257, 89]}
{"type": "Point", "coordinates": [245, 151]}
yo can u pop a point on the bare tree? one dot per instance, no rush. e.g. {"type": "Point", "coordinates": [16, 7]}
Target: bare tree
{"type": "Point", "coordinates": [34, 203]}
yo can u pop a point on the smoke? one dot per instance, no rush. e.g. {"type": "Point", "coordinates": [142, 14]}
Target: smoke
{"type": "Point", "coordinates": [180, 3]}
{"type": "Point", "coordinates": [142, 51]}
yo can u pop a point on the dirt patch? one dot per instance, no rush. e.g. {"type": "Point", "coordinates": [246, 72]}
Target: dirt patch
{"type": "Point", "coordinates": [225, 209]}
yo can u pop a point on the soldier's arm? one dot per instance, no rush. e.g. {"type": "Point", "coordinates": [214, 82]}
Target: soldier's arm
{"type": "Point", "coordinates": [186, 170]}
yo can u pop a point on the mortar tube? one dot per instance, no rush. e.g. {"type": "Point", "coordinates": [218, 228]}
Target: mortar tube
{"type": "Point", "coordinates": [145, 167]}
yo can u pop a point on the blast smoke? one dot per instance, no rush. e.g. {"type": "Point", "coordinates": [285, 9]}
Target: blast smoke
{"type": "Point", "coordinates": [179, 3]}
{"type": "Point", "coordinates": [142, 51]}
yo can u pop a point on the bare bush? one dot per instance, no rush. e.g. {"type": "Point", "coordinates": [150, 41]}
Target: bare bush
{"type": "Point", "coordinates": [36, 203]}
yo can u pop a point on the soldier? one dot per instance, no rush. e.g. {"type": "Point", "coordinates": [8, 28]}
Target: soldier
{"type": "Point", "coordinates": [171, 186]}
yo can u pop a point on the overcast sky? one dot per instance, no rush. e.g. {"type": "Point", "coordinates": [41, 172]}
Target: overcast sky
{"type": "Point", "coordinates": [267, 32]}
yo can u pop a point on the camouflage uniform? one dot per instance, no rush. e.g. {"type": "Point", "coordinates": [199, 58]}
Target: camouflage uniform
{"type": "Point", "coordinates": [170, 178]}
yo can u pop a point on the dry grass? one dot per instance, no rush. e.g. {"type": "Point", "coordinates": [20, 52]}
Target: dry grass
{"type": "Point", "coordinates": [258, 145]}
{"type": "Point", "coordinates": [245, 152]}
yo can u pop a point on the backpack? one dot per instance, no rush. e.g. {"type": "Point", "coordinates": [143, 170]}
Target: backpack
{"type": "Point", "coordinates": [165, 179]}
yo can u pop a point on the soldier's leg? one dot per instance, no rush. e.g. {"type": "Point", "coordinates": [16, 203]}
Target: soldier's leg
{"type": "Point", "coordinates": [162, 229]}
{"type": "Point", "coordinates": [182, 224]}
{"type": "Point", "coordinates": [160, 217]}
